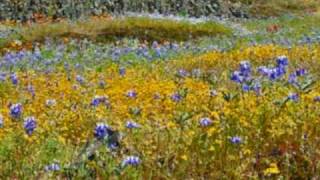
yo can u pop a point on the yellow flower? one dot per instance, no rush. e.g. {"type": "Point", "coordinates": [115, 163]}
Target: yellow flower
{"type": "Point", "coordinates": [211, 131]}
{"type": "Point", "coordinates": [184, 157]}
{"type": "Point", "coordinates": [272, 170]}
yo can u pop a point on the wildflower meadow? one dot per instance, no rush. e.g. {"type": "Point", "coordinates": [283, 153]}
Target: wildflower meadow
{"type": "Point", "coordinates": [152, 96]}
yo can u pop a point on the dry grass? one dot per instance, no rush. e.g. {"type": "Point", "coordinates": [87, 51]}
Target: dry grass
{"type": "Point", "coordinates": [279, 7]}
{"type": "Point", "coordinates": [107, 29]}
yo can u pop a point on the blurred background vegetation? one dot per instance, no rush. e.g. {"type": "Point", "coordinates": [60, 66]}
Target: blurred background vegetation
{"type": "Point", "coordinates": [24, 10]}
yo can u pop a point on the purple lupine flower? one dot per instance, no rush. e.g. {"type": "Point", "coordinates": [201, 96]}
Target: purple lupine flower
{"type": "Point", "coordinates": [316, 99]}
{"type": "Point", "coordinates": [301, 72]}
{"type": "Point", "coordinates": [80, 79]}
{"type": "Point", "coordinates": [245, 68]}
{"type": "Point", "coordinates": [52, 167]}
{"type": "Point", "coordinates": [132, 125]}
{"type": "Point", "coordinates": [127, 50]}
{"type": "Point", "coordinates": [30, 124]}
{"type": "Point", "coordinates": [131, 160]}
{"type": "Point", "coordinates": [235, 140]}
{"type": "Point", "coordinates": [14, 79]}
{"type": "Point", "coordinates": [155, 44]}
{"type": "Point", "coordinates": [113, 145]}
{"type": "Point", "coordinates": [293, 96]}
{"type": "Point", "coordinates": [116, 54]}
{"type": "Point", "coordinates": [176, 97]}
{"type": "Point", "coordinates": [77, 66]}
{"type": "Point", "coordinates": [245, 88]}
{"type": "Point", "coordinates": [281, 71]}
{"type": "Point", "coordinates": [51, 102]}
{"type": "Point", "coordinates": [102, 84]}
{"type": "Point", "coordinates": [273, 74]}
{"type": "Point", "coordinates": [293, 78]}
{"type": "Point", "coordinates": [1, 121]}
{"type": "Point", "coordinates": [101, 131]}
{"type": "Point", "coordinates": [264, 71]}
{"type": "Point", "coordinates": [30, 89]}
{"type": "Point", "coordinates": [174, 46]}
{"type": "Point", "coordinates": [131, 94]}
{"type": "Point", "coordinates": [98, 99]}
{"type": "Point", "coordinates": [122, 71]}
{"type": "Point", "coordinates": [282, 61]}
{"type": "Point", "coordinates": [158, 52]}
{"type": "Point", "coordinates": [257, 88]}
{"type": "Point", "coordinates": [16, 110]}
{"type": "Point", "coordinates": [157, 96]}
{"type": "Point", "coordinates": [183, 73]}
{"type": "Point", "coordinates": [3, 76]}
{"type": "Point", "coordinates": [277, 73]}
{"type": "Point", "coordinates": [237, 77]}
{"type": "Point", "coordinates": [204, 122]}
{"type": "Point", "coordinates": [95, 101]}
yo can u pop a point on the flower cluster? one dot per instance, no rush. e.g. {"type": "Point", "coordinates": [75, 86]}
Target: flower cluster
{"type": "Point", "coordinates": [131, 160]}
{"type": "Point", "coordinates": [102, 130]}
{"type": "Point", "coordinates": [29, 125]}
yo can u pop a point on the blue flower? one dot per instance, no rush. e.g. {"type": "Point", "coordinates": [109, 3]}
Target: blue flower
{"type": "Point", "coordinates": [282, 61]}
{"type": "Point", "coordinates": [154, 44]}
{"type": "Point", "coordinates": [257, 87]}
{"type": "Point", "coordinates": [102, 83]}
{"type": "Point", "coordinates": [157, 96]}
{"type": "Point", "coordinates": [204, 122]}
{"type": "Point", "coordinates": [158, 52]}
{"type": "Point", "coordinates": [293, 97]}
{"type": "Point", "coordinates": [3, 76]}
{"type": "Point", "coordinates": [264, 71]}
{"type": "Point", "coordinates": [98, 99]}
{"type": "Point", "coordinates": [16, 110]}
{"type": "Point", "coordinates": [316, 99]}
{"type": "Point", "coordinates": [30, 89]}
{"type": "Point", "coordinates": [182, 73]}
{"type": "Point", "coordinates": [14, 79]}
{"type": "Point", "coordinates": [52, 167]}
{"type": "Point", "coordinates": [277, 73]}
{"type": "Point", "coordinates": [176, 97]}
{"type": "Point", "coordinates": [30, 124]}
{"type": "Point", "coordinates": [131, 160]}
{"type": "Point", "coordinates": [131, 94]}
{"type": "Point", "coordinates": [95, 101]}
{"type": "Point", "coordinates": [245, 68]}
{"type": "Point", "coordinates": [280, 71]}
{"type": "Point", "coordinates": [102, 130]}
{"type": "Point", "coordinates": [174, 46]}
{"type": "Point", "coordinates": [293, 78]}
{"type": "Point", "coordinates": [245, 88]}
{"type": "Point", "coordinates": [116, 53]}
{"type": "Point", "coordinates": [51, 102]}
{"type": "Point", "coordinates": [80, 79]}
{"type": "Point", "coordinates": [237, 77]}
{"type": "Point", "coordinates": [122, 71]}
{"type": "Point", "coordinates": [132, 125]}
{"type": "Point", "coordinates": [1, 121]}
{"type": "Point", "coordinates": [301, 72]}
{"type": "Point", "coordinates": [236, 140]}
{"type": "Point", "coordinates": [113, 145]}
